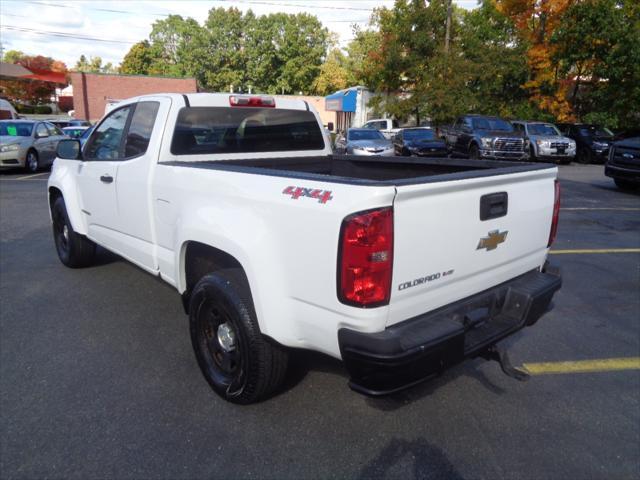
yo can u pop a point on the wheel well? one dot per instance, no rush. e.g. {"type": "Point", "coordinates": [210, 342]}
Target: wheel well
{"type": "Point", "coordinates": [200, 260]}
{"type": "Point", "coordinates": [54, 194]}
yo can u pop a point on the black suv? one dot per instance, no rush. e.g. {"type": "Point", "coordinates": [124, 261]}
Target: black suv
{"type": "Point", "coordinates": [624, 163]}
{"type": "Point", "coordinates": [592, 141]}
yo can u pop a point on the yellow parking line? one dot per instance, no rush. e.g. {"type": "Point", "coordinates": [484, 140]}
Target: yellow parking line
{"type": "Point", "coordinates": [27, 177]}
{"type": "Point", "coordinates": [596, 250]}
{"type": "Point", "coordinates": [583, 366]}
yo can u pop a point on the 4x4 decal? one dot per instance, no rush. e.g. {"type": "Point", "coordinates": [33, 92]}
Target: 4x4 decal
{"type": "Point", "coordinates": [323, 196]}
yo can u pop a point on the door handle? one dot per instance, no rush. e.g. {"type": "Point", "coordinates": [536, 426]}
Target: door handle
{"type": "Point", "coordinates": [494, 205]}
{"type": "Point", "coordinates": [106, 178]}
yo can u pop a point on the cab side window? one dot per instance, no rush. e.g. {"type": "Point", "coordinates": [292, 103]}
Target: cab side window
{"type": "Point", "coordinates": [139, 133]}
{"type": "Point", "coordinates": [41, 130]}
{"type": "Point", "coordinates": [106, 141]}
{"type": "Point", "coordinates": [53, 130]}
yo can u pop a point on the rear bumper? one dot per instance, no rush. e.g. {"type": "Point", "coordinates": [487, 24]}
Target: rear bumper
{"type": "Point", "coordinates": [417, 349]}
{"type": "Point", "coordinates": [628, 174]}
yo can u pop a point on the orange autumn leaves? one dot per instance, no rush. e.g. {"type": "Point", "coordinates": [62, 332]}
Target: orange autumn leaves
{"type": "Point", "coordinates": [536, 21]}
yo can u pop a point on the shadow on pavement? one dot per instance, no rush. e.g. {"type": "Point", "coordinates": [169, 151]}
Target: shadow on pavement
{"type": "Point", "coordinates": [429, 462]}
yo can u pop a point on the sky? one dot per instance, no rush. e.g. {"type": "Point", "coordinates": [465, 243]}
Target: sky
{"type": "Point", "coordinates": [66, 29]}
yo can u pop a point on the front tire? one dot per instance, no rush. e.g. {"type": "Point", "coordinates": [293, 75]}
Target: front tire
{"type": "Point", "coordinates": [584, 156]}
{"type": "Point", "coordinates": [532, 154]}
{"type": "Point", "coordinates": [474, 152]}
{"type": "Point", "coordinates": [32, 162]}
{"type": "Point", "coordinates": [239, 363]}
{"type": "Point", "coordinates": [74, 250]}
{"type": "Point", "coordinates": [625, 184]}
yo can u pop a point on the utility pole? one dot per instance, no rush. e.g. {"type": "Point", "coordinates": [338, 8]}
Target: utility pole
{"type": "Point", "coordinates": [447, 36]}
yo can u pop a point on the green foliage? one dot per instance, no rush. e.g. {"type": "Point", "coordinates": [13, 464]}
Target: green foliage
{"type": "Point", "coordinates": [333, 74]}
{"type": "Point", "coordinates": [273, 53]}
{"type": "Point", "coordinates": [598, 51]}
{"type": "Point", "coordinates": [94, 65]}
{"type": "Point", "coordinates": [138, 60]}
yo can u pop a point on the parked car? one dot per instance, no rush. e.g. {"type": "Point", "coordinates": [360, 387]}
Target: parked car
{"type": "Point", "coordinates": [419, 141]}
{"type": "Point", "coordinates": [74, 132]}
{"type": "Point", "coordinates": [28, 144]}
{"type": "Point", "coordinates": [386, 126]}
{"type": "Point", "coordinates": [273, 242]}
{"type": "Point", "coordinates": [546, 143]}
{"type": "Point", "coordinates": [479, 137]}
{"type": "Point", "coordinates": [592, 141]}
{"type": "Point", "coordinates": [7, 112]}
{"type": "Point", "coordinates": [623, 164]}
{"type": "Point", "coordinates": [364, 141]}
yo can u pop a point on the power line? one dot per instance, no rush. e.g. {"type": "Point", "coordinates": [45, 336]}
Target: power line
{"type": "Point", "coordinates": [249, 2]}
{"type": "Point", "coordinates": [64, 35]}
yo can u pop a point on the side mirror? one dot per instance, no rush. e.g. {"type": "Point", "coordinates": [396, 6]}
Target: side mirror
{"type": "Point", "coordinates": [69, 149]}
{"type": "Point", "coordinates": [330, 126]}
{"type": "Point", "coordinates": [42, 135]}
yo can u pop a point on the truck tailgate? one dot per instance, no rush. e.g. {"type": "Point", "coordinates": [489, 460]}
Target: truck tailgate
{"type": "Point", "coordinates": [444, 252]}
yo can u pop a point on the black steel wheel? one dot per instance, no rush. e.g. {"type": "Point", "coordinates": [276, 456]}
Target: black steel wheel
{"type": "Point", "coordinates": [74, 250]}
{"type": "Point", "coordinates": [239, 363]}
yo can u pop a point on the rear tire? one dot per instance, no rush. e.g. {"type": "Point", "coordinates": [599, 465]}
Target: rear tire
{"type": "Point", "coordinates": [74, 250]}
{"type": "Point", "coordinates": [239, 363]}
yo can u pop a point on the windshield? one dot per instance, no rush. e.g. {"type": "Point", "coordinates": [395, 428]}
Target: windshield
{"type": "Point", "coordinates": [365, 135]}
{"type": "Point", "coordinates": [594, 131]}
{"type": "Point", "coordinates": [73, 132]}
{"type": "Point", "coordinates": [207, 130]}
{"type": "Point", "coordinates": [491, 124]}
{"type": "Point", "coordinates": [542, 129]}
{"type": "Point", "coordinates": [16, 129]}
{"type": "Point", "coordinates": [419, 134]}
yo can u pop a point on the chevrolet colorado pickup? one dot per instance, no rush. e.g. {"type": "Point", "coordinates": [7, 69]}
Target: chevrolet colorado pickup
{"type": "Point", "coordinates": [479, 137]}
{"type": "Point", "coordinates": [400, 267]}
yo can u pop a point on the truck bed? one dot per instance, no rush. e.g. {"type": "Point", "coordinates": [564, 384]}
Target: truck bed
{"type": "Point", "coordinates": [368, 170]}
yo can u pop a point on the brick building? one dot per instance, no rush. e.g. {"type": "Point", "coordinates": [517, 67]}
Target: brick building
{"type": "Point", "coordinates": [93, 91]}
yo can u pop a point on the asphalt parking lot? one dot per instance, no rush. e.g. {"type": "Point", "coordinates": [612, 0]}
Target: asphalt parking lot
{"type": "Point", "coordinates": [98, 379]}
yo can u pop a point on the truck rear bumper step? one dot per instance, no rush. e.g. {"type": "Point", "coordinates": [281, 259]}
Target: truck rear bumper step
{"type": "Point", "coordinates": [419, 348]}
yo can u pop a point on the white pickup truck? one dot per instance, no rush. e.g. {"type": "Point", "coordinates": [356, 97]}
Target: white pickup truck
{"type": "Point", "coordinates": [401, 267]}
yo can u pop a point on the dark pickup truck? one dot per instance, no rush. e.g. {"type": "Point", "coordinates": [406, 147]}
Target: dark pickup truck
{"type": "Point", "coordinates": [487, 137]}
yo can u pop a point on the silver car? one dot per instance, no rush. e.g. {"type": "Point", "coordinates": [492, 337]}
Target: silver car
{"type": "Point", "coordinates": [546, 143]}
{"type": "Point", "coordinates": [28, 144]}
{"type": "Point", "coordinates": [364, 141]}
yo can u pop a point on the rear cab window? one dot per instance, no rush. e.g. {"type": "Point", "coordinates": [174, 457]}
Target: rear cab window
{"type": "Point", "coordinates": [223, 130]}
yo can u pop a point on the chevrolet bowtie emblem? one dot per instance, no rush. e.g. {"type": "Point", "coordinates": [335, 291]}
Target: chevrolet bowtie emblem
{"type": "Point", "coordinates": [492, 241]}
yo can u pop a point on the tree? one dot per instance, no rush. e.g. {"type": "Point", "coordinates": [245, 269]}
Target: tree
{"type": "Point", "coordinates": [333, 74]}
{"type": "Point", "coordinates": [597, 52]}
{"type": "Point", "coordinates": [94, 65]}
{"type": "Point", "coordinates": [31, 91]}
{"type": "Point", "coordinates": [536, 23]}
{"type": "Point", "coordinates": [138, 60]}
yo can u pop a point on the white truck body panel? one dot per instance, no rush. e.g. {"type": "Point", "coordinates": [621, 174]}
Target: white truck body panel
{"type": "Point", "coordinates": [288, 247]}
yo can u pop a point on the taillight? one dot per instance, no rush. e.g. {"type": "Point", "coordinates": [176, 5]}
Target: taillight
{"type": "Point", "coordinates": [365, 258]}
{"type": "Point", "coordinates": [248, 101]}
{"type": "Point", "coordinates": [556, 214]}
